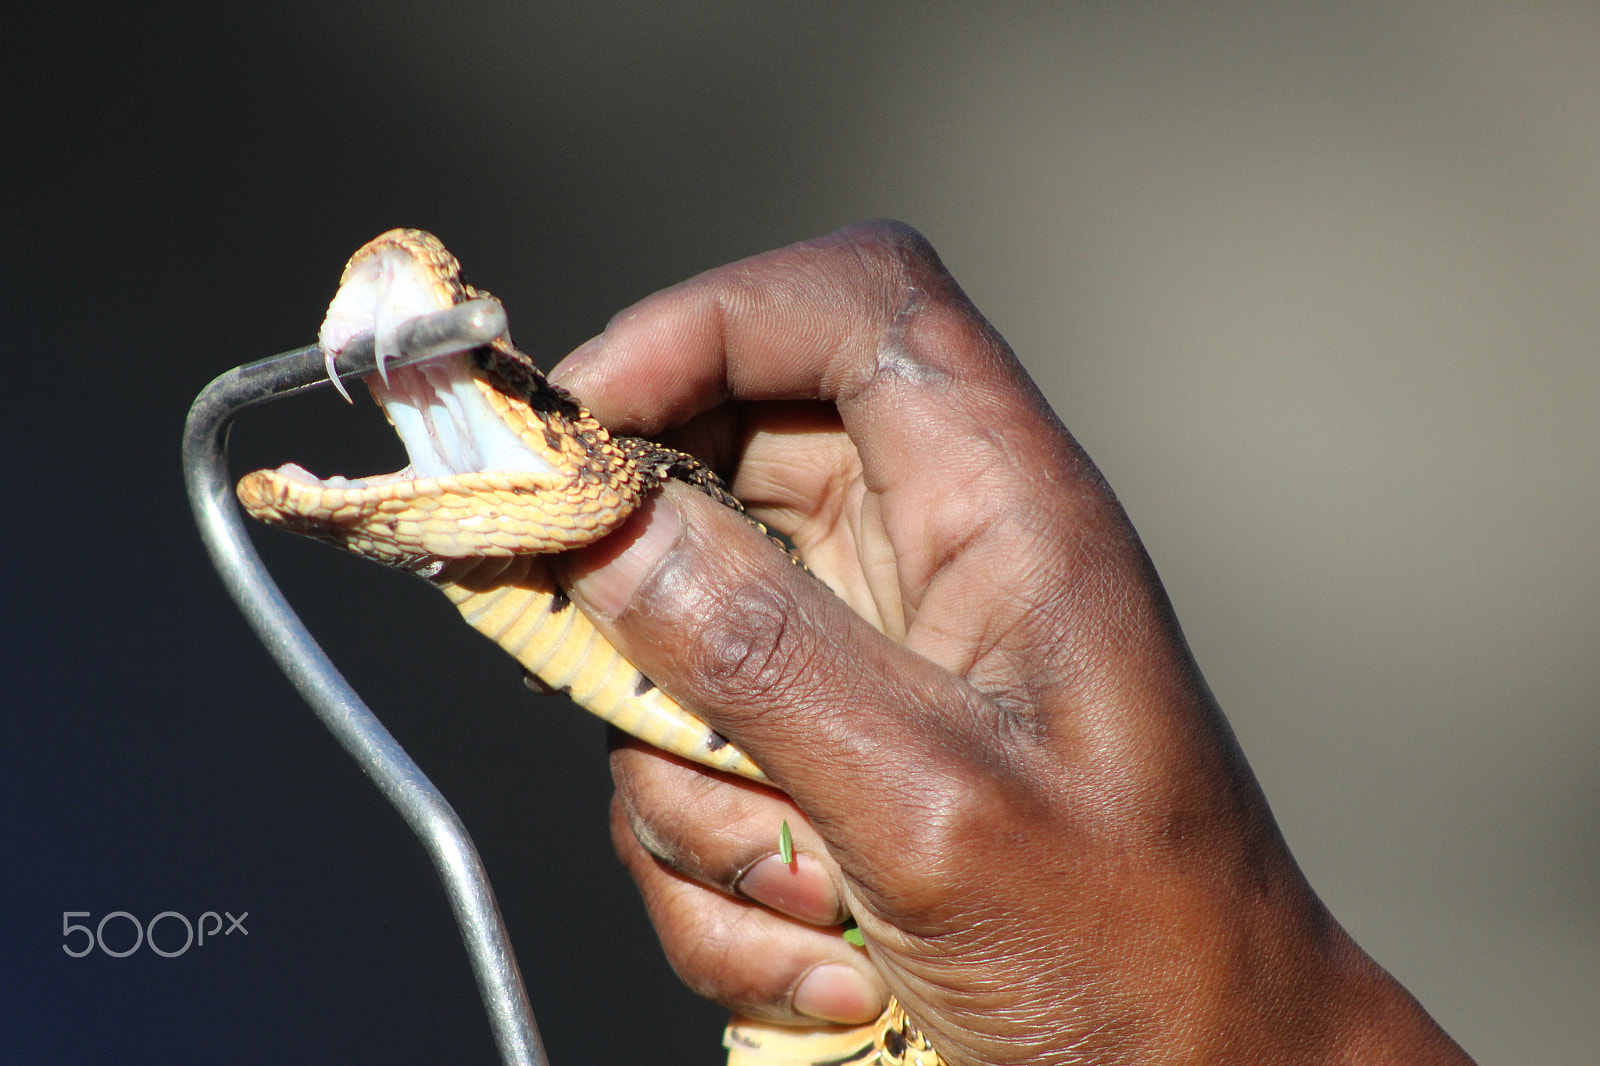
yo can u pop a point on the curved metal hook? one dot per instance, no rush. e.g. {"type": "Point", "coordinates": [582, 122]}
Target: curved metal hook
{"type": "Point", "coordinates": [380, 756]}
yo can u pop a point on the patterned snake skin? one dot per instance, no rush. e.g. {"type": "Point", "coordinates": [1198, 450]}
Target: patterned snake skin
{"type": "Point", "coordinates": [506, 467]}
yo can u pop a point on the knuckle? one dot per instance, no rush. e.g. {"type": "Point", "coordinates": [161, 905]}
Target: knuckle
{"type": "Point", "coordinates": [897, 259]}
{"type": "Point", "coordinates": [927, 329]}
{"type": "Point", "coordinates": [754, 653]}
{"type": "Point", "coordinates": [716, 962]}
{"type": "Point", "coordinates": [702, 960]}
{"type": "Point", "coordinates": [696, 825]}
{"type": "Point", "coordinates": [898, 243]}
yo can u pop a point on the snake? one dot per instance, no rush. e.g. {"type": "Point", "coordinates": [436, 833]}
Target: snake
{"type": "Point", "coordinates": [506, 469]}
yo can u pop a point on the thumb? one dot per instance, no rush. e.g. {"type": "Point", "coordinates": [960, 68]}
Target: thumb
{"type": "Point", "coordinates": [837, 714]}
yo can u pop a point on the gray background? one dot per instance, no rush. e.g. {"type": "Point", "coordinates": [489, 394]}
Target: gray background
{"type": "Point", "coordinates": [1315, 284]}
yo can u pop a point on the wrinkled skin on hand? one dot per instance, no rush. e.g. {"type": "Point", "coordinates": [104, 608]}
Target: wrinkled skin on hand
{"type": "Point", "coordinates": [1002, 758]}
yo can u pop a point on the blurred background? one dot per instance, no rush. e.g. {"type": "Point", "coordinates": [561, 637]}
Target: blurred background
{"type": "Point", "coordinates": [1314, 283]}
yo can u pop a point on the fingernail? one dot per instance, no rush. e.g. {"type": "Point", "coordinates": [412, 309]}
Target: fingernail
{"type": "Point", "coordinates": [578, 360]}
{"type": "Point", "coordinates": [800, 889]}
{"type": "Point", "coordinates": [607, 575]}
{"type": "Point", "coordinates": [834, 992]}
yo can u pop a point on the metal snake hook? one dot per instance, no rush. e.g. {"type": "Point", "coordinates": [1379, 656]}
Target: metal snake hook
{"type": "Point", "coordinates": [380, 756]}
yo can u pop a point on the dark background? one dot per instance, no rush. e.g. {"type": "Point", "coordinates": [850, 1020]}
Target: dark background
{"type": "Point", "coordinates": [1314, 283]}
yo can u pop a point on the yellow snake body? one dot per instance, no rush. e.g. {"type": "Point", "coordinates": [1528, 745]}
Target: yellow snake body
{"type": "Point", "coordinates": [506, 467]}
{"type": "Point", "coordinates": [515, 603]}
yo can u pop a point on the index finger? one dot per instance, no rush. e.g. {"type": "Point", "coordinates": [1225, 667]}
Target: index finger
{"type": "Point", "coordinates": [975, 483]}
{"type": "Point", "coordinates": [815, 320]}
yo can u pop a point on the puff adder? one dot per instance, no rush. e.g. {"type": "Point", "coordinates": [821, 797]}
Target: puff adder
{"type": "Point", "coordinates": [506, 468]}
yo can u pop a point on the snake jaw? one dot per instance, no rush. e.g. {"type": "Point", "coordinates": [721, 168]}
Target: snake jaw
{"type": "Point", "coordinates": [500, 463]}
{"type": "Point", "coordinates": [397, 520]}
{"type": "Point", "coordinates": [439, 408]}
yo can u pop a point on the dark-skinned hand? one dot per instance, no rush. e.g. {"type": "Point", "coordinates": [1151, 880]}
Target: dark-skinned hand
{"type": "Point", "coordinates": [998, 753]}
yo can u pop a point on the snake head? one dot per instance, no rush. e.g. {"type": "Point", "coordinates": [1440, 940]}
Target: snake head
{"type": "Point", "coordinates": [501, 461]}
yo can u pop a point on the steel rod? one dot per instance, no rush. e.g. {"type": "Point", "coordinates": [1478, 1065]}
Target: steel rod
{"type": "Point", "coordinates": [380, 756]}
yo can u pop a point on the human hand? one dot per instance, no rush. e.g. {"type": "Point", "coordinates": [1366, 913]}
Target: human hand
{"type": "Point", "coordinates": [997, 751]}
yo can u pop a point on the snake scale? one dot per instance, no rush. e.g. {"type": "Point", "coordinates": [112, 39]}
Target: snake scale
{"type": "Point", "coordinates": [506, 468]}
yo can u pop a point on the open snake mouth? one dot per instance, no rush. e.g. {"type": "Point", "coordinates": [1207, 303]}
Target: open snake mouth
{"type": "Point", "coordinates": [440, 408]}
{"type": "Point", "coordinates": [497, 467]}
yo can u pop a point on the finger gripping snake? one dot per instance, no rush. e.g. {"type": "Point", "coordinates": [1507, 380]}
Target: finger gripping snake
{"type": "Point", "coordinates": [505, 469]}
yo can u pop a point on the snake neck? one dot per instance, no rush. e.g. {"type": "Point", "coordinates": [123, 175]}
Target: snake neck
{"type": "Point", "coordinates": [517, 604]}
